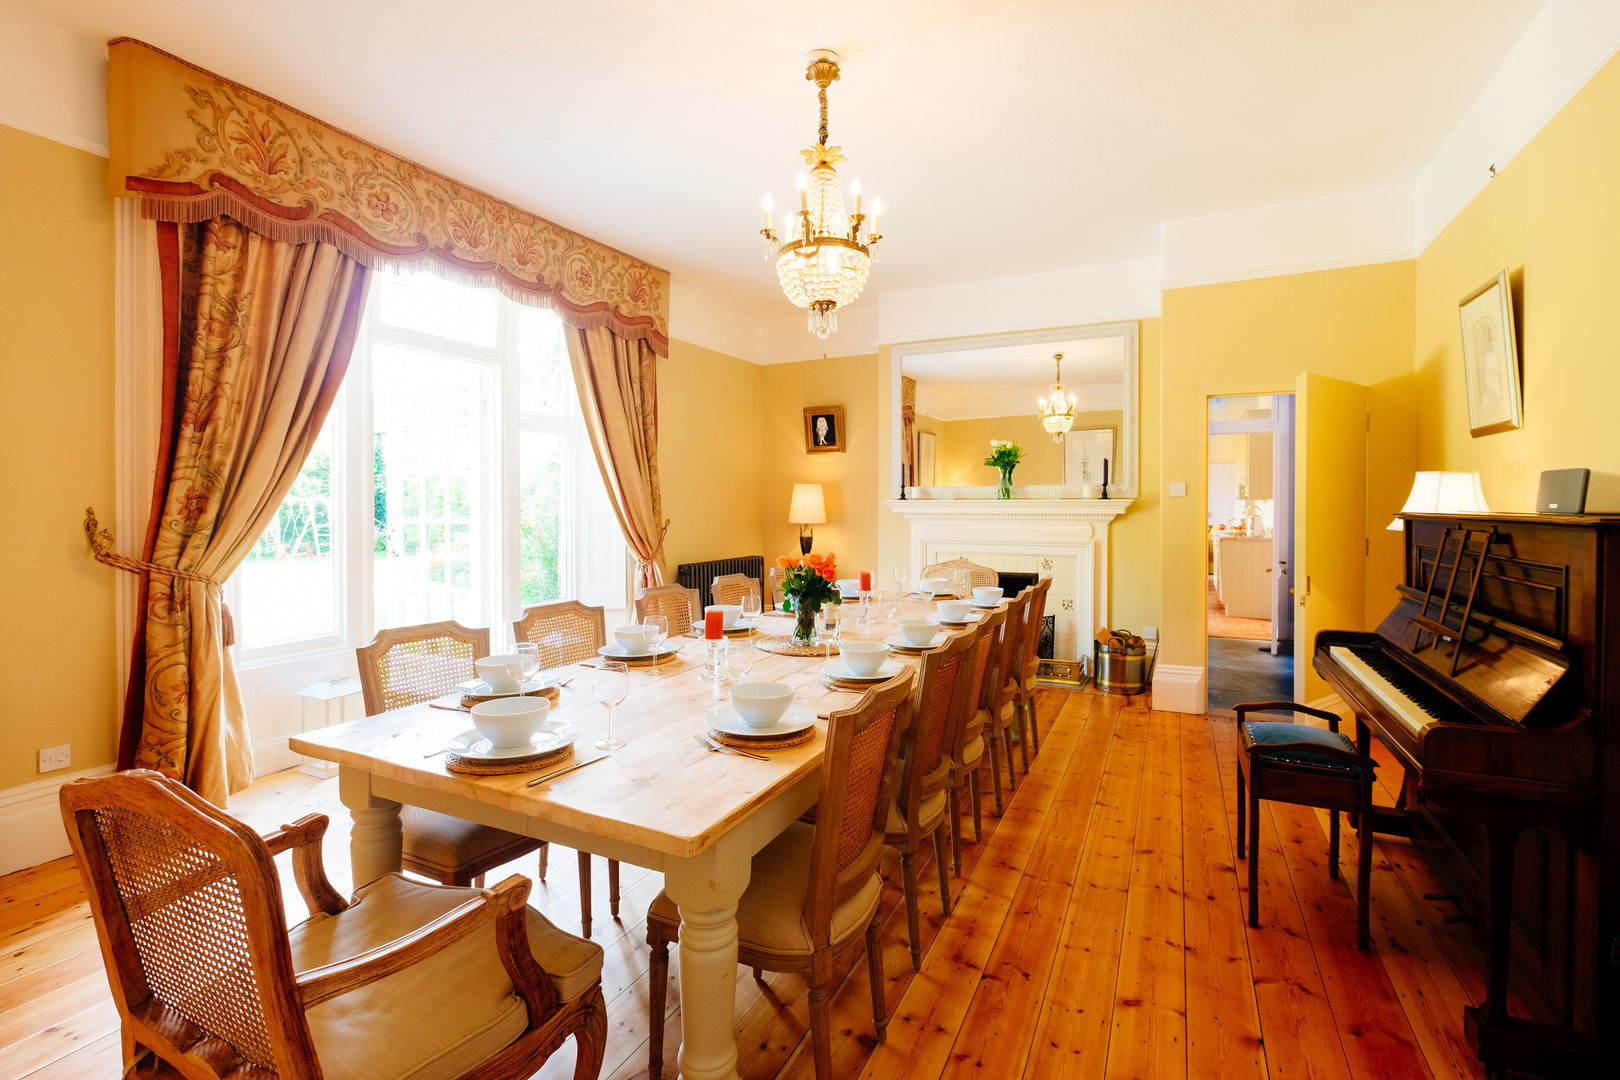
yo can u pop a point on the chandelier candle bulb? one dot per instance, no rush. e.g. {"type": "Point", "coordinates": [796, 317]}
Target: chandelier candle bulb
{"type": "Point", "coordinates": [855, 189]}
{"type": "Point", "coordinates": [766, 203]}
{"type": "Point", "coordinates": [804, 193]}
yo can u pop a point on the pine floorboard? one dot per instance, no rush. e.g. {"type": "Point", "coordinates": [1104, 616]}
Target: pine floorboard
{"type": "Point", "coordinates": [1099, 930]}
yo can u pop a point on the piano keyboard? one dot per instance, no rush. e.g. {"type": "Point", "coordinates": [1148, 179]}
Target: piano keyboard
{"type": "Point", "coordinates": [1376, 673]}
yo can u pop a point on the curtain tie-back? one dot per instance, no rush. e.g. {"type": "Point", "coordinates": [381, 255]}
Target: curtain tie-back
{"type": "Point", "coordinates": [657, 552]}
{"type": "Point", "coordinates": [101, 548]}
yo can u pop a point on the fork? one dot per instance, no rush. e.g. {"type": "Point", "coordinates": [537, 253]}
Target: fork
{"type": "Point", "coordinates": [711, 746]}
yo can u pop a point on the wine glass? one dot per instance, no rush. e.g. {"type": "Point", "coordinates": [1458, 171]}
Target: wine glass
{"type": "Point", "coordinates": [960, 582]}
{"type": "Point", "coordinates": [530, 652]}
{"type": "Point", "coordinates": [751, 606]}
{"type": "Point", "coordinates": [899, 574]}
{"type": "Point", "coordinates": [741, 654]}
{"type": "Point", "coordinates": [611, 683]}
{"type": "Point", "coordinates": [657, 633]}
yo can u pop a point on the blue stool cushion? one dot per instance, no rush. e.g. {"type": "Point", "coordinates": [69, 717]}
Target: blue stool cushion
{"type": "Point", "coordinates": [1268, 733]}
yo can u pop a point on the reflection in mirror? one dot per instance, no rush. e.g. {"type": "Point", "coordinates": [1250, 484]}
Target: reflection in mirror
{"type": "Point", "coordinates": [962, 394]}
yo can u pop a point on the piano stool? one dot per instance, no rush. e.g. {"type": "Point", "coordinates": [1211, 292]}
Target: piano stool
{"type": "Point", "coordinates": [1285, 761]}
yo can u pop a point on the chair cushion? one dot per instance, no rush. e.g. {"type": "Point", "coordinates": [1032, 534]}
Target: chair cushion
{"type": "Point", "coordinates": [972, 753]}
{"type": "Point", "coordinates": [1273, 732]}
{"type": "Point", "coordinates": [442, 845]}
{"type": "Point", "coordinates": [931, 812]}
{"type": "Point", "coordinates": [770, 915]}
{"type": "Point", "coordinates": [1009, 713]}
{"type": "Point", "coordinates": [437, 1018]}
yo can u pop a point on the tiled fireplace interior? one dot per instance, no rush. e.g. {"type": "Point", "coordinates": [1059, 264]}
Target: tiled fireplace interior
{"type": "Point", "coordinates": [1060, 600]}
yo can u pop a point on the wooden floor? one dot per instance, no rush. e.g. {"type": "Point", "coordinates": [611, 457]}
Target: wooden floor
{"type": "Point", "coordinates": [1098, 932]}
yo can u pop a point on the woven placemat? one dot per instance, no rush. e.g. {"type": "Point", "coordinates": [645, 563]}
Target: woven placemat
{"type": "Point", "coordinates": [649, 661]}
{"type": "Point", "coordinates": [740, 742]}
{"type": "Point", "coordinates": [910, 650]}
{"type": "Point", "coordinates": [550, 693]}
{"type": "Point", "coordinates": [861, 685]}
{"type": "Point", "coordinates": [528, 763]}
{"type": "Point", "coordinates": [782, 644]}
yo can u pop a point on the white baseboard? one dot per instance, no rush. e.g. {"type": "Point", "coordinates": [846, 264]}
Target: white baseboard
{"type": "Point", "coordinates": [272, 755]}
{"type": "Point", "coordinates": [31, 821]}
{"type": "Point", "coordinates": [1178, 688]}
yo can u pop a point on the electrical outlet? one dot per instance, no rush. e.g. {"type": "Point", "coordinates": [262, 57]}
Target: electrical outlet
{"type": "Point", "coordinates": [1178, 489]}
{"type": "Point", "coordinates": [1150, 633]}
{"type": "Point", "coordinates": [52, 758]}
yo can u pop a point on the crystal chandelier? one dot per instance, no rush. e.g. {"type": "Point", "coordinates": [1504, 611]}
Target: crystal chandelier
{"type": "Point", "coordinates": [1057, 411]}
{"type": "Point", "coordinates": [821, 258]}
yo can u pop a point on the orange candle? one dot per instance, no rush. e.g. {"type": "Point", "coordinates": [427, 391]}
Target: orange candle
{"type": "Point", "coordinates": [714, 625]}
{"type": "Point", "coordinates": [866, 581]}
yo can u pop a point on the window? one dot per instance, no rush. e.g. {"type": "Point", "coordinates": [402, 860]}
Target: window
{"type": "Point", "coordinates": [454, 480]}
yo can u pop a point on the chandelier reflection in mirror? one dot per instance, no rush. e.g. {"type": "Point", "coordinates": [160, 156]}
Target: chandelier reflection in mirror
{"type": "Point", "coordinates": [1057, 412]}
{"type": "Point", "coordinates": [822, 260]}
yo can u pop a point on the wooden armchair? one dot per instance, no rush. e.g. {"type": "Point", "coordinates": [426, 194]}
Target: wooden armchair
{"type": "Point", "coordinates": [675, 602]}
{"type": "Point", "coordinates": [977, 574]}
{"type": "Point", "coordinates": [816, 887]}
{"type": "Point", "coordinates": [731, 588]}
{"type": "Point", "coordinates": [1029, 665]}
{"type": "Point", "coordinates": [408, 980]}
{"type": "Point", "coordinates": [968, 751]}
{"type": "Point", "coordinates": [1002, 698]}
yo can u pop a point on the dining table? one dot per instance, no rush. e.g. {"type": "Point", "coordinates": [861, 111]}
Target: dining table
{"type": "Point", "coordinates": [662, 801]}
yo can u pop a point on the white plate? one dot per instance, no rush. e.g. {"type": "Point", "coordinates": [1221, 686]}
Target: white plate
{"type": "Point", "coordinates": [796, 719]}
{"type": "Point", "coordinates": [480, 688]}
{"type": "Point", "coordinates": [940, 620]}
{"type": "Point", "coordinates": [839, 669]}
{"type": "Point", "coordinates": [988, 607]}
{"type": "Point", "coordinates": [616, 652]}
{"type": "Point", "coordinates": [901, 643]}
{"type": "Point", "coordinates": [743, 623]}
{"type": "Point", "coordinates": [553, 735]}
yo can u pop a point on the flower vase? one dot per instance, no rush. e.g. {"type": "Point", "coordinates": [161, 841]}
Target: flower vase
{"type": "Point", "coordinates": [804, 625]}
{"type": "Point", "coordinates": [1004, 489]}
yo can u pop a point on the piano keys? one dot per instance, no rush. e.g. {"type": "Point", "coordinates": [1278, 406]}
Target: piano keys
{"type": "Point", "coordinates": [1500, 704]}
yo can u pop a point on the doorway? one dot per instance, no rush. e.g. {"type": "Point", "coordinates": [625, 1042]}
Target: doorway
{"type": "Point", "coordinates": [1249, 550]}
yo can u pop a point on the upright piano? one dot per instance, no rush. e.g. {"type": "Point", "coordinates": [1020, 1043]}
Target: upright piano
{"type": "Point", "coordinates": [1495, 683]}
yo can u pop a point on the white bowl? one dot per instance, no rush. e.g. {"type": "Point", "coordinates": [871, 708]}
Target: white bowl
{"type": "Point", "coordinates": [729, 613]}
{"type": "Point", "coordinates": [761, 704]}
{"type": "Point", "coordinates": [502, 672]}
{"type": "Point", "coordinates": [915, 631]}
{"type": "Point", "coordinates": [510, 721]}
{"type": "Point", "coordinates": [954, 610]}
{"type": "Point", "coordinates": [634, 640]}
{"type": "Point", "coordinates": [986, 595]}
{"type": "Point", "coordinates": [849, 586]}
{"type": "Point", "coordinates": [863, 657]}
{"type": "Point", "coordinates": [936, 584]}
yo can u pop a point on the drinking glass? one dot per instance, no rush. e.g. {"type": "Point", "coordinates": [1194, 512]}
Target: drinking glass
{"type": "Point", "coordinates": [658, 632]}
{"type": "Point", "coordinates": [750, 606]}
{"type": "Point", "coordinates": [899, 578]}
{"type": "Point", "coordinates": [961, 584]}
{"type": "Point", "coordinates": [531, 659]}
{"type": "Point", "coordinates": [611, 683]}
{"type": "Point", "coordinates": [828, 623]}
{"type": "Point", "coordinates": [741, 654]}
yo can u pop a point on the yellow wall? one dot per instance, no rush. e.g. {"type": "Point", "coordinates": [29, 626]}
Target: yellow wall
{"type": "Point", "coordinates": [1254, 337]}
{"type": "Point", "coordinates": [968, 442]}
{"type": "Point", "coordinates": [710, 471]}
{"type": "Point", "coordinates": [1552, 219]}
{"type": "Point", "coordinates": [56, 416]}
{"type": "Point", "coordinates": [850, 481]}
{"type": "Point", "coordinates": [934, 426]}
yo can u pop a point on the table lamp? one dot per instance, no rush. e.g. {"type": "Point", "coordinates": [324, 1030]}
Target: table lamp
{"type": "Point", "coordinates": [1443, 493]}
{"type": "Point", "coordinates": [807, 510]}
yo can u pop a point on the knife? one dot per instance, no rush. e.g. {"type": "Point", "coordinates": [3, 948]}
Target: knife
{"type": "Point", "coordinates": [558, 772]}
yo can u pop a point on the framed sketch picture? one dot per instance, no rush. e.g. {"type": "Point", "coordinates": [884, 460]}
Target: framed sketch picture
{"type": "Point", "coordinates": [925, 460]}
{"type": "Point", "coordinates": [824, 429]}
{"type": "Point", "coordinates": [1084, 451]}
{"type": "Point", "coordinates": [1491, 358]}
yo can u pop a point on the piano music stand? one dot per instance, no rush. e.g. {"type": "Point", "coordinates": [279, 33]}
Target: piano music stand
{"type": "Point", "coordinates": [1439, 627]}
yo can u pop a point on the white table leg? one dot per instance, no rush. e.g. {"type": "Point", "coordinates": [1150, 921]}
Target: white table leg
{"type": "Point", "coordinates": [706, 889]}
{"type": "Point", "coordinates": [375, 842]}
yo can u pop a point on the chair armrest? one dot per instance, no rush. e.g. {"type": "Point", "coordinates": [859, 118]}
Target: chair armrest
{"type": "Point", "coordinates": [303, 839]}
{"type": "Point", "coordinates": [1287, 706]}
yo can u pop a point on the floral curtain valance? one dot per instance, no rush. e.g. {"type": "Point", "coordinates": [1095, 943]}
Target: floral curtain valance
{"type": "Point", "coordinates": [192, 145]}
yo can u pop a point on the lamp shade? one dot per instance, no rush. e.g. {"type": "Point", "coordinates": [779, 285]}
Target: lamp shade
{"type": "Point", "coordinates": [807, 506]}
{"type": "Point", "coordinates": [1443, 493]}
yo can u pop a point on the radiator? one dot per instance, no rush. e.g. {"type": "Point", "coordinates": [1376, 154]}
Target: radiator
{"type": "Point", "coordinates": [698, 575]}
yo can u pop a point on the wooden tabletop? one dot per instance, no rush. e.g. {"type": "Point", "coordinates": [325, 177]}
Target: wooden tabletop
{"type": "Point", "coordinates": [662, 791]}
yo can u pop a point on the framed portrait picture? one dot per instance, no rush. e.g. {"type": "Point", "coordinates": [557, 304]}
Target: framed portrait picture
{"type": "Point", "coordinates": [926, 449]}
{"type": "Point", "coordinates": [1491, 358]}
{"type": "Point", "coordinates": [824, 429]}
{"type": "Point", "coordinates": [1084, 451]}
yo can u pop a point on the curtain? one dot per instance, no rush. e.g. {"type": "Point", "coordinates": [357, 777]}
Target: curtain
{"type": "Point", "coordinates": [618, 393]}
{"type": "Point", "coordinates": [908, 429]}
{"type": "Point", "coordinates": [257, 337]}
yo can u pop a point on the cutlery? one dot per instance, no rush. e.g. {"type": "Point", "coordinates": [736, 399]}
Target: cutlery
{"type": "Point", "coordinates": [452, 708]}
{"type": "Point", "coordinates": [712, 746]}
{"type": "Point", "coordinates": [559, 772]}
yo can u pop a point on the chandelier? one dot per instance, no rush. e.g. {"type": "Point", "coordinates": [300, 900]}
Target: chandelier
{"type": "Point", "coordinates": [821, 258]}
{"type": "Point", "coordinates": [1057, 411]}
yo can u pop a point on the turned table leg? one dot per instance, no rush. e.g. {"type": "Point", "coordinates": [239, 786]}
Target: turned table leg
{"type": "Point", "coordinates": [375, 842]}
{"type": "Point", "coordinates": [706, 889]}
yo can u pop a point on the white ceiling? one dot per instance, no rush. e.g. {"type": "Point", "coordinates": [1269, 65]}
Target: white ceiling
{"type": "Point", "coordinates": [1004, 138]}
{"type": "Point", "coordinates": [1006, 380]}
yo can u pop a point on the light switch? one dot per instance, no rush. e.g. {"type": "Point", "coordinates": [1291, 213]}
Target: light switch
{"type": "Point", "coordinates": [1178, 489]}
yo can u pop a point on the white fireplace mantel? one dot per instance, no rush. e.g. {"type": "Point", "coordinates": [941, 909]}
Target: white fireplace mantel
{"type": "Point", "coordinates": [1074, 530]}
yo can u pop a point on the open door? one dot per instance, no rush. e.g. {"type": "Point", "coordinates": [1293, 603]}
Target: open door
{"type": "Point", "coordinates": [1282, 532]}
{"type": "Point", "coordinates": [1330, 517]}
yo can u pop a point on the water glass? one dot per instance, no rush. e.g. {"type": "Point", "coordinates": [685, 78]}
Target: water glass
{"type": "Point", "coordinates": [899, 578]}
{"type": "Point", "coordinates": [657, 633]}
{"type": "Point", "coordinates": [828, 624]}
{"type": "Point", "coordinates": [751, 606]}
{"type": "Point", "coordinates": [741, 654]}
{"type": "Point", "coordinates": [611, 684]}
{"type": "Point", "coordinates": [531, 658]}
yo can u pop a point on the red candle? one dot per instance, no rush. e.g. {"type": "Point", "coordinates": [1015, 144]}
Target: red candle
{"type": "Point", "coordinates": [714, 625]}
{"type": "Point", "coordinates": [866, 581]}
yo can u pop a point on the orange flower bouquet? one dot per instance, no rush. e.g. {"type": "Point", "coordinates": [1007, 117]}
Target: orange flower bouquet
{"type": "Point", "coordinates": [807, 583]}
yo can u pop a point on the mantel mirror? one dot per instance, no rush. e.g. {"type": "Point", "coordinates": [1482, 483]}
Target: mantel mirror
{"type": "Point", "coordinates": [953, 397]}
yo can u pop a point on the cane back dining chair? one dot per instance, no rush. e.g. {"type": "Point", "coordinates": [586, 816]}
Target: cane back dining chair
{"type": "Point", "coordinates": [566, 632]}
{"type": "Point", "coordinates": [918, 808]}
{"type": "Point", "coordinates": [976, 574]}
{"type": "Point", "coordinates": [731, 588]}
{"type": "Point", "coordinates": [968, 752]}
{"type": "Point", "coordinates": [814, 889]}
{"type": "Point", "coordinates": [408, 980]}
{"type": "Point", "coordinates": [1029, 666]}
{"type": "Point", "coordinates": [408, 665]}
{"type": "Point", "coordinates": [1286, 761]}
{"type": "Point", "coordinates": [677, 603]}
{"type": "Point", "coordinates": [1001, 698]}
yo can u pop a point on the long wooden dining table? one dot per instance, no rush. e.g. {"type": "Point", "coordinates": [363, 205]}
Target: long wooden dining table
{"type": "Point", "coordinates": [662, 801]}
